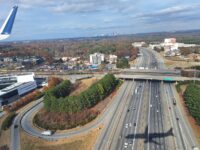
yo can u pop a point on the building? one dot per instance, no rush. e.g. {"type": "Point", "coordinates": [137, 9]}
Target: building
{"type": "Point", "coordinates": [14, 86]}
{"type": "Point", "coordinates": [171, 47]}
{"type": "Point", "coordinates": [170, 40]}
{"type": "Point", "coordinates": [138, 44]}
{"type": "Point", "coordinates": [97, 58]}
{"type": "Point", "coordinates": [112, 59]}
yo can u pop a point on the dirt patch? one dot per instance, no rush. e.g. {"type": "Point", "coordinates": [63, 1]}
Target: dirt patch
{"type": "Point", "coordinates": [174, 62]}
{"type": "Point", "coordinates": [186, 113]}
{"type": "Point", "coordinates": [82, 85]}
{"type": "Point", "coordinates": [81, 142]}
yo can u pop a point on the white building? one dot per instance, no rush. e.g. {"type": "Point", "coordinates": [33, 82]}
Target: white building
{"type": "Point", "coordinates": [112, 59]}
{"type": "Point", "coordinates": [171, 47]}
{"type": "Point", "coordinates": [138, 44]}
{"type": "Point", "coordinates": [14, 86]}
{"type": "Point", "coordinates": [96, 58]}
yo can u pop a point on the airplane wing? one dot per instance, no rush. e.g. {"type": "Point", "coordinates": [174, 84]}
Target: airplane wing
{"type": "Point", "coordinates": [6, 28]}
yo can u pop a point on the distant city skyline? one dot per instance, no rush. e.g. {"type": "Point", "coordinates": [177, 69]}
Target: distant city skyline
{"type": "Point", "coordinates": [41, 19]}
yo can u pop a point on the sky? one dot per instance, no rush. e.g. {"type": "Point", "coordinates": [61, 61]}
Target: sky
{"type": "Point", "coordinates": [49, 19]}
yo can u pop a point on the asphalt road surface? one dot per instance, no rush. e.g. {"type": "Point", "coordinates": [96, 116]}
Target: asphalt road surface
{"type": "Point", "coordinates": [151, 120]}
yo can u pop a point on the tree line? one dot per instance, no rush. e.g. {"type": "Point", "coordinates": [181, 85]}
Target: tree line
{"type": "Point", "coordinates": [23, 101]}
{"type": "Point", "coordinates": [56, 100]}
{"type": "Point", "coordinates": [192, 101]}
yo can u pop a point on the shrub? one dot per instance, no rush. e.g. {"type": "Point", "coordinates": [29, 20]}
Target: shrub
{"type": "Point", "coordinates": [8, 121]}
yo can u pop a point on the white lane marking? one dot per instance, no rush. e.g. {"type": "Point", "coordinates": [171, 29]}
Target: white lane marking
{"type": "Point", "coordinates": [184, 122]}
{"type": "Point", "coordinates": [167, 94]}
{"type": "Point", "coordinates": [137, 117]}
{"type": "Point", "coordinates": [184, 138]}
{"type": "Point", "coordinates": [149, 116]}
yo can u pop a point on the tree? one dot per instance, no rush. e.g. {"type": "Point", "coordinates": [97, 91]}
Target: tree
{"type": "Point", "coordinates": [122, 63]}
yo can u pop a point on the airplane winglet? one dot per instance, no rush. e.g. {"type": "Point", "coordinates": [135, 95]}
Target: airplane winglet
{"type": "Point", "coordinates": [6, 28]}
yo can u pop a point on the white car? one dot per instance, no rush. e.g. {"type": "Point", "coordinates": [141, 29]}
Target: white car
{"type": "Point", "coordinates": [125, 145]}
{"type": "Point", "coordinates": [47, 133]}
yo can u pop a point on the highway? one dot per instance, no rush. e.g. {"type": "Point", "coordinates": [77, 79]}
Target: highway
{"type": "Point", "coordinates": [184, 135]}
{"type": "Point", "coordinates": [24, 119]}
{"type": "Point", "coordinates": [142, 116]}
{"type": "Point", "coordinates": [151, 120]}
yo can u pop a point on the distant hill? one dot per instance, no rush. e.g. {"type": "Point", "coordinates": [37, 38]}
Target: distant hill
{"type": "Point", "coordinates": [182, 36]}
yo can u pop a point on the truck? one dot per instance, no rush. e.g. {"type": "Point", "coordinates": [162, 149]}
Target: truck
{"type": "Point", "coordinates": [47, 133]}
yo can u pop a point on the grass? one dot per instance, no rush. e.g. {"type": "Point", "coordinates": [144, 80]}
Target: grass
{"type": "Point", "coordinates": [82, 142]}
{"type": "Point", "coordinates": [4, 135]}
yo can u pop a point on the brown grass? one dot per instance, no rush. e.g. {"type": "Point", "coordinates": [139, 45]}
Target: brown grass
{"type": "Point", "coordinates": [81, 142]}
{"type": "Point", "coordinates": [4, 135]}
{"type": "Point", "coordinates": [83, 85]}
{"type": "Point", "coordinates": [177, 62]}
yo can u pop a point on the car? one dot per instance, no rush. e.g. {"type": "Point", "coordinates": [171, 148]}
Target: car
{"type": "Point", "coordinates": [47, 133]}
{"type": "Point", "coordinates": [134, 124]}
{"type": "Point", "coordinates": [128, 110]}
{"type": "Point", "coordinates": [125, 145]}
{"type": "Point", "coordinates": [15, 126]}
{"type": "Point", "coordinates": [157, 111]}
{"type": "Point", "coordinates": [177, 118]}
{"type": "Point", "coordinates": [169, 107]}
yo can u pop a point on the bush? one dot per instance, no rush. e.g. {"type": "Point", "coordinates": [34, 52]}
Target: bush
{"type": "Point", "coordinates": [122, 63]}
{"type": "Point", "coordinates": [52, 82]}
{"type": "Point", "coordinates": [8, 121]}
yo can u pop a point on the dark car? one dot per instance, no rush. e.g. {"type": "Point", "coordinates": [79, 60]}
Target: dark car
{"type": "Point", "coordinates": [15, 126]}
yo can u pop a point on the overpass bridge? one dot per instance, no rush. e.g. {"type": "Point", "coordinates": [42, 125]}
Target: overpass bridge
{"type": "Point", "coordinates": [153, 72]}
{"type": "Point", "coordinates": [155, 78]}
